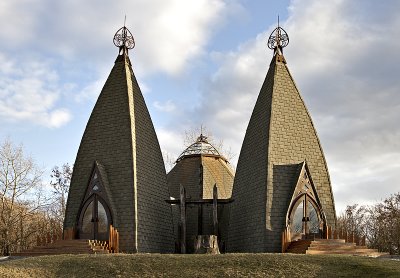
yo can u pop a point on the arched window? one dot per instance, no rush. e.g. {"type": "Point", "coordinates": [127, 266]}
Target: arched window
{"type": "Point", "coordinates": [305, 218]}
{"type": "Point", "coordinates": [95, 215]}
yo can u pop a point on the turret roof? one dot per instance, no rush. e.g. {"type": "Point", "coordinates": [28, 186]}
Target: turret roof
{"type": "Point", "coordinates": [200, 147]}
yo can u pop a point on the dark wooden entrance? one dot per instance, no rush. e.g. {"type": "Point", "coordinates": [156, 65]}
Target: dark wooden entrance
{"type": "Point", "coordinates": [95, 219]}
{"type": "Point", "coordinates": [95, 216]}
{"type": "Point", "coordinates": [183, 202]}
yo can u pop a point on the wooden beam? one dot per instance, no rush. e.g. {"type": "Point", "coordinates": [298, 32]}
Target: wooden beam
{"type": "Point", "coordinates": [200, 207]}
{"type": "Point", "coordinates": [215, 209]}
{"type": "Point", "coordinates": [182, 199]}
{"type": "Point", "coordinates": [203, 201]}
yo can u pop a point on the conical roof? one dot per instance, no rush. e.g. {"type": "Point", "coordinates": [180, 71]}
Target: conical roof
{"type": "Point", "coordinates": [280, 132]}
{"type": "Point", "coordinates": [121, 137]}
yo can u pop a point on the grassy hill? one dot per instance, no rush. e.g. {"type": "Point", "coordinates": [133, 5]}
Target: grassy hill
{"type": "Point", "coordinates": [227, 265]}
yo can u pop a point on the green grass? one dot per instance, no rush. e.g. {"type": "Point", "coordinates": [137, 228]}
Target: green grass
{"type": "Point", "coordinates": [227, 265]}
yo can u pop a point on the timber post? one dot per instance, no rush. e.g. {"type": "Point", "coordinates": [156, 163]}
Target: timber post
{"type": "Point", "coordinates": [200, 207]}
{"type": "Point", "coordinates": [215, 210]}
{"type": "Point", "coordinates": [182, 206]}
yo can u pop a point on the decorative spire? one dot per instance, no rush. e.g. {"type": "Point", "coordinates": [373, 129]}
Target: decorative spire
{"type": "Point", "coordinates": [202, 138]}
{"type": "Point", "coordinates": [123, 39]}
{"type": "Point", "coordinates": [278, 39]}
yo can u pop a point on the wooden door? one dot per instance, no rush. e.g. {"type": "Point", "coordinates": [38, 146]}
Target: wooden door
{"type": "Point", "coordinates": [95, 219]}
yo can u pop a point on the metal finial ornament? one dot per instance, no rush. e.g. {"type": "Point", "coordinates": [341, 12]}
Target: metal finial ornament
{"type": "Point", "coordinates": [278, 38]}
{"type": "Point", "coordinates": [123, 39]}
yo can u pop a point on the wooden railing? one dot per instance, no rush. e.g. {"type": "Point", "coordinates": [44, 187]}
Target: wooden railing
{"type": "Point", "coordinates": [349, 237]}
{"type": "Point", "coordinates": [112, 245]}
{"type": "Point", "coordinates": [327, 233]}
{"type": "Point", "coordinates": [286, 239]}
{"type": "Point", "coordinates": [48, 238]}
{"type": "Point", "coordinates": [113, 241]}
{"type": "Point", "coordinates": [69, 233]}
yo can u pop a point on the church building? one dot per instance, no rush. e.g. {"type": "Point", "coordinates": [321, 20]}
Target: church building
{"type": "Point", "coordinates": [281, 185]}
{"type": "Point", "coordinates": [119, 175]}
{"type": "Point", "coordinates": [282, 180]}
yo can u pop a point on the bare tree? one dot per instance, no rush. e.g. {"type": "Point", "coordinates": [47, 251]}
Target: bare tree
{"type": "Point", "coordinates": [19, 179]}
{"type": "Point", "coordinates": [353, 220]}
{"type": "Point", "coordinates": [384, 225]}
{"type": "Point", "coordinates": [380, 224]}
{"type": "Point", "coordinates": [61, 179]}
{"type": "Point", "coordinates": [169, 161]}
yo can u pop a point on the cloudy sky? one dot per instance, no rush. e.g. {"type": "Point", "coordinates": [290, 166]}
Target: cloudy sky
{"type": "Point", "coordinates": [203, 62]}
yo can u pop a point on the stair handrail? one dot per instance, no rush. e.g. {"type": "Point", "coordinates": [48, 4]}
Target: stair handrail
{"type": "Point", "coordinates": [286, 239]}
{"type": "Point", "coordinates": [47, 238]}
{"type": "Point", "coordinates": [113, 241]}
{"type": "Point", "coordinates": [69, 233]}
{"type": "Point", "coordinates": [349, 237]}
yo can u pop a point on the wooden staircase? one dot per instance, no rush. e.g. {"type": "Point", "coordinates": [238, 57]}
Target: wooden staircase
{"type": "Point", "coordinates": [74, 246]}
{"type": "Point", "coordinates": [298, 246]}
{"type": "Point", "coordinates": [331, 246]}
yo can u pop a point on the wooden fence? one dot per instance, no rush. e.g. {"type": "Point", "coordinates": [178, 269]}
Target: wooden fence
{"type": "Point", "coordinates": [113, 239]}
{"type": "Point", "coordinates": [69, 233]}
{"type": "Point", "coordinates": [48, 238]}
{"type": "Point", "coordinates": [349, 237]}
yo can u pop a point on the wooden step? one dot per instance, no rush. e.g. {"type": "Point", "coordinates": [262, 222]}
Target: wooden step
{"type": "Point", "coordinates": [335, 247]}
{"type": "Point", "coordinates": [28, 254]}
{"type": "Point", "coordinates": [331, 246]}
{"type": "Point", "coordinates": [329, 241]}
{"type": "Point", "coordinates": [67, 247]}
{"type": "Point", "coordinates": [298, 246]}
{"type": "Point", "coordinates": [371, 253]}
{"type": "Point", "coordinates": [300, 242]}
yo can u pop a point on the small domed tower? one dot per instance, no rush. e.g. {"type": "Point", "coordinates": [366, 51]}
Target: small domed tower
{"type": "Point", "coordinates": [198, 169]}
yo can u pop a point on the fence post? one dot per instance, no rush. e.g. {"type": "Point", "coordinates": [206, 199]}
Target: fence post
{"type": "Point", "coordinates": [285, 239]}
{"type": "Point", "coordinates": [117, 242]}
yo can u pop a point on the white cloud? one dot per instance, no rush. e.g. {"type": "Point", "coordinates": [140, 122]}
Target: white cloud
{"type": "Point", "coordinates": [168, 34]}
{"type": "Point", "coordinates": [345, 60]}
{"type": "Point", "coordinates": [58, 118]}
{"type": "Point", "coordinates": [347, 72]}
{"type": "Point", "coordinates": [165, 137]}
{"type": "Point", "coordinates": [90, 91]}
{"type": "Point", "coordinates": [167, 106]}
{"type": "Point", "coordinates": [342, 54]}
{"type": "Point", "coordinates": [228, 97]}
{"type": "Point", "coordinates": [177, 32]}
{"type": "Point", "coordinates": [29, 94]}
